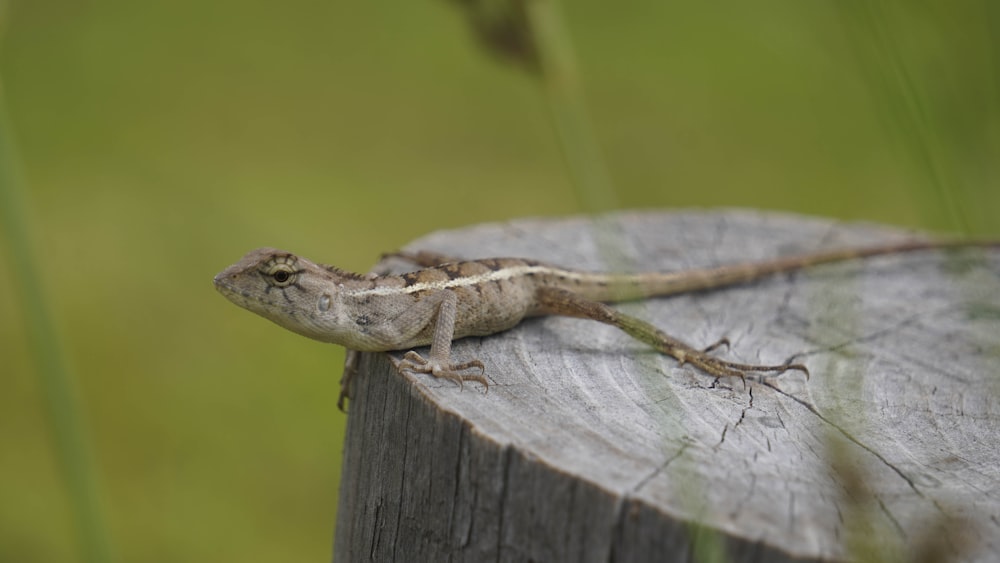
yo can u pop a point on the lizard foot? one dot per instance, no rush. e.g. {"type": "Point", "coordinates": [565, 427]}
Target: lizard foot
{"type": "Point", "coordinates": [347, 380]}
{"type": "Point", "coordinates": [415, 363]}
{"type": "Point", "coordinates": [719, 367]}
{"type": "Point", "coordinates": [721, 342]}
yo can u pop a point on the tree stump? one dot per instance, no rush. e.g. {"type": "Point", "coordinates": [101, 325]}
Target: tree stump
{"type": "Point", "coordinates": [590, 446]}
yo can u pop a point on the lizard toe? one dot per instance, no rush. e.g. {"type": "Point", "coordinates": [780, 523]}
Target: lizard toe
{"type": "Point", "coordinates": [414, 363]}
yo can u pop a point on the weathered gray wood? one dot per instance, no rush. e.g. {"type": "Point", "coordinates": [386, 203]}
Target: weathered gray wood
{"type": "Point", "coordinates": [590, 447]}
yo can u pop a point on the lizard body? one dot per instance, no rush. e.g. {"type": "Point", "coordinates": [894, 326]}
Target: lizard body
{"type": "Point", "coordinates": [448, 300]}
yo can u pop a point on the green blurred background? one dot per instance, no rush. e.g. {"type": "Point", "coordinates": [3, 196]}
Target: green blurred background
{"type": "Point", "coordinates": [160, 140]}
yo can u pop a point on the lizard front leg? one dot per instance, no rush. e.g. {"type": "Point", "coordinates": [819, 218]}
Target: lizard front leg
{"type": "Point", "coordinates": [561, 302]}
{"type": "Point", "coordinates": [438, 309]}
{"type": "Point", "coordinates": [439, 364]}
{"type": "Point", "coordinates": [422, 258]}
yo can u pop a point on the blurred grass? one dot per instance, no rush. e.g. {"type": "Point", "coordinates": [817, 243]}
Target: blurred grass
{"type": "Point", "coordinates": [161, 140]}
{"type": "Point", "coordinates": [71, 445]}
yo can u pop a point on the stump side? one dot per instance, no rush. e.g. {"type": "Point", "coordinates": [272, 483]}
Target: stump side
{"type": "Point", "coordinates": [432, 490]}
{"type": "Point", "coordinates": [590, 447]}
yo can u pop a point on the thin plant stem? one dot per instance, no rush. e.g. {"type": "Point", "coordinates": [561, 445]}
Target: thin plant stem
{"type": "Point", "coordinates": [560, 82]}
{"type": "Point", "coordinates": [62, 403]}
{"type": "Point", "coordinates": [899, 96]}
{"type": "Point", "coordinates": [561, 85]}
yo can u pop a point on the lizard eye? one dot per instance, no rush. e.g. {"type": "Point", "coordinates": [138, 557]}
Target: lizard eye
{"type": "Point", "coordinates": [282, 274]}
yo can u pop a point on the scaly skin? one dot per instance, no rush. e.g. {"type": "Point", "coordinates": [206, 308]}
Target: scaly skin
{"type": "Point", "coordinates": [448, 300]}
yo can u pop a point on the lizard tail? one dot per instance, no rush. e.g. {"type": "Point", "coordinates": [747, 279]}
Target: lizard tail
{"type": "Point", "coordinates": [627, 287]}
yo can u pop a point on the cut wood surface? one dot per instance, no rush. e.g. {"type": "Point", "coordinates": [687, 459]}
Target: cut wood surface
{"type": "Point", "coordinates": [590, 446]}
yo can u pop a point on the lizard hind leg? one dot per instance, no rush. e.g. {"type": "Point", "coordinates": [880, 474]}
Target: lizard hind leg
{"type": "Point", "coordinates": [561, 302]}
{"type": "Point", "coordinates": [422, 258]}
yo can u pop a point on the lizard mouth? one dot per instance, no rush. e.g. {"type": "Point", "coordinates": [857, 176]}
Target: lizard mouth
{"type": "Point", "coordinates": [232, 287]}
{"type": "Point", "coordinates": [225, 283]}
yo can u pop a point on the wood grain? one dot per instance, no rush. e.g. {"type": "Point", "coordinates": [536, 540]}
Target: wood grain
{"type": "Point", "coordinates": [591, 447]}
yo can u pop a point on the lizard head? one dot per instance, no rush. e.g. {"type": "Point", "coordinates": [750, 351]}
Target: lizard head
{"type": "Point", "coordinates": [286, 289]}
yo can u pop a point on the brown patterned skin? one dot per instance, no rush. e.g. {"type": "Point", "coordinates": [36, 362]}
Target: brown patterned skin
{"type": "Point", "coordinates": [449, 300]}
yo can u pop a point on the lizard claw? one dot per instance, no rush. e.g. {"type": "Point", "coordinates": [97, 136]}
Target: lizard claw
{"type": "Point", "coordinates": [718, 367]}
{"type": "Point", "coordinates": [721, 342]}
{"type": "Point", "coordinates": [415, 363]}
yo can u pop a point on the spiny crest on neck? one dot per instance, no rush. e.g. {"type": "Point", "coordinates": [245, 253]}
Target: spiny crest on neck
{"type": "Point", "coordinates": [342, 273]}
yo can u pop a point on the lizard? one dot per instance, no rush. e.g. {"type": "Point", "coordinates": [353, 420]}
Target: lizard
{"type": "Point", "coordinates": [450, 299]}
